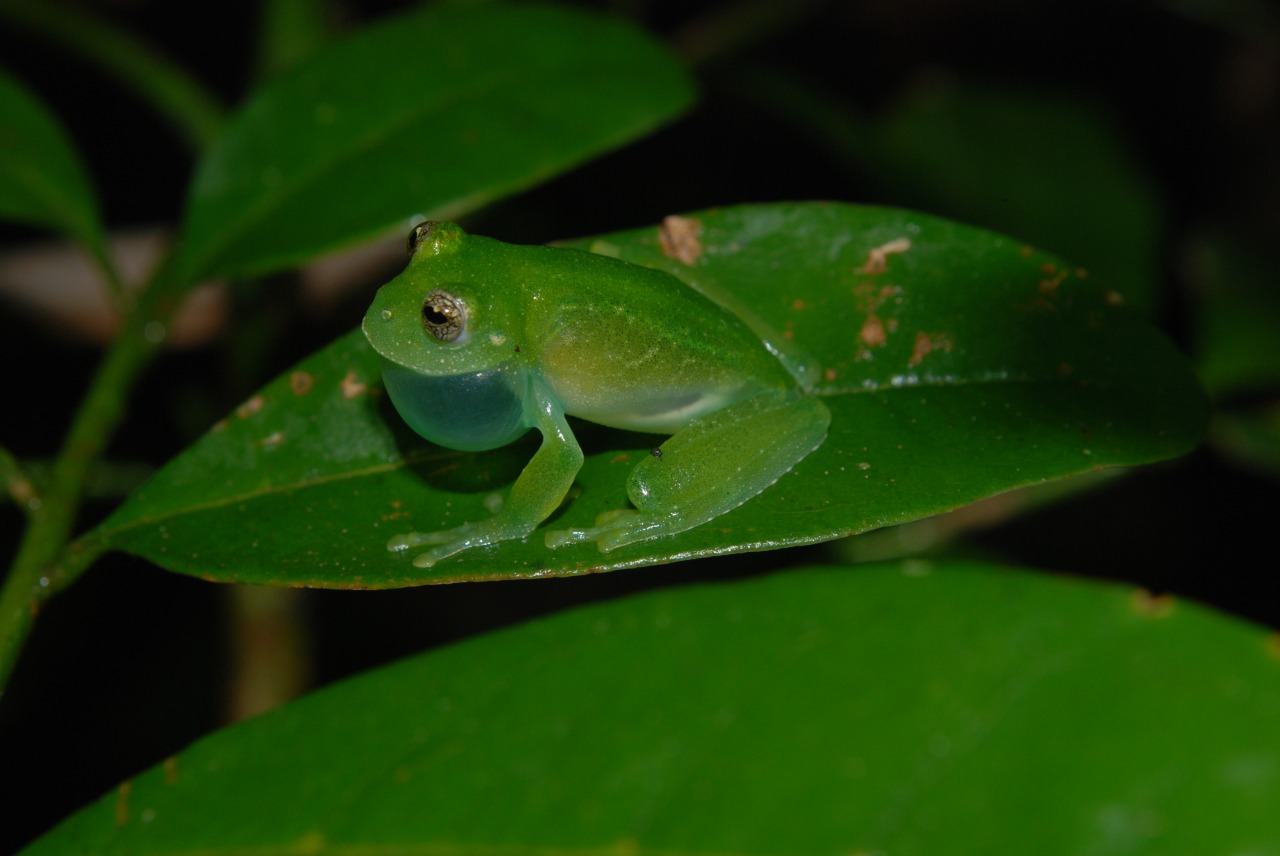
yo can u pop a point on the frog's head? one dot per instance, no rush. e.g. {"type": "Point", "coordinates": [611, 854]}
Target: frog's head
{"type": "Point", "coordinates": [448, 313]}
{"type": "Point", "coordinates": [442, 328]}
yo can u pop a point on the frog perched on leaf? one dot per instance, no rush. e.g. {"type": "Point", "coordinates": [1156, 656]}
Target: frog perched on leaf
{"type": "Point", "coordinates": [481, 341]}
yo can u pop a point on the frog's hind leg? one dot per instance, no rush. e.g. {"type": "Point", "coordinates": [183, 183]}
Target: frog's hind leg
{"type": "Point", "coordinates": [715, 464]}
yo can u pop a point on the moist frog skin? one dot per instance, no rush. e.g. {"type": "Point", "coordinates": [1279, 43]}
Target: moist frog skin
{"type": "Point", "coordinates": [482, 341]}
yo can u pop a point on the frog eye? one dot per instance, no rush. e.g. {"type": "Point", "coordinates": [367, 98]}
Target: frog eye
{"type": "Point", "coordinates": [418, 234]}
{"type": "Point", "coordinates": [443, 315]}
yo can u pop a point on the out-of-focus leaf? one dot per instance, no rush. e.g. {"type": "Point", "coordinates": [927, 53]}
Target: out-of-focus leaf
{"type": "Point", "coordinates": [1250, 438]}
{"type": "Point", "coordinates": [42, 181]}
{"type": "Point", "coordinates": [1045, 167]}
{"type": "Point", "coordinates": [1238, 318]}
{"type": "Point", "coordinates": [957, 364]}
{"type": "Point", "coordinates": [1049, 168]}
{"type": "Point", "coordinates": [912, 710]}
{"type": "Point", "coordinates": [431, 113]}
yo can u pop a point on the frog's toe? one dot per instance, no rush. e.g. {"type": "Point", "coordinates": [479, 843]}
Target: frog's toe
{"type": "Point", "coordinates": [429, 558]}
{"type": "Point", "coordinates": [408, 540]}
{"type": "Point", "coordinates": [613, 529]}
{"type": "Point", "coordinates": [560, 537]}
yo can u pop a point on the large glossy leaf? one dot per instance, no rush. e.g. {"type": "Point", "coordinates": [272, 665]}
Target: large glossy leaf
{"type": "Point", "coordinates": [951, 708]}
{"type": "Point", "coordinates": [430, 113]}
{"type": "Point", "coordinates": [42, 181]}
{"type": "Point", "coordinates": [969, 365]}
{"type": "Point", "coordinates": [1050, 167]}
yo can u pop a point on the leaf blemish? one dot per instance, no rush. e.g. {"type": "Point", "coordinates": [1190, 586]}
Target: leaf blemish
{"type": "Point", "coordinates": [171, 770]}
{"type": "Point", "coordinates": [352, 386]}
{"type": "Point", "coordinates": [1149, 605]}
{"type": "Point", "coordinates": [927, 343]}
{"type": "Point", "coordinates": [872, 333]}
{"type": "Point", "coordinates": [250, 407]}
{"type": "Point", "coordinates": [1049, 287]}
{"type": "Point", "coordinates": [301, 383]}
{"type": "Point", "coordinates": [122, 802]}
{"type": "Point", "coordinates": [273, 440]}
{"type": "Point", "coordinates": [680, 239]}
{"type": "Point", "coordinates": [878, 257]}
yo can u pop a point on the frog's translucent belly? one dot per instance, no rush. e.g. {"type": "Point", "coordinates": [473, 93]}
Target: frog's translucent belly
{"type": "Point", "coordinates": [656, 411]}
{"type": "Point", "coordinates": [470, 412]}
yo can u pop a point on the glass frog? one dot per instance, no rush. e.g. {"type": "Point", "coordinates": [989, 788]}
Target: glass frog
{"type": "Point", "coordinates": [481, 341]}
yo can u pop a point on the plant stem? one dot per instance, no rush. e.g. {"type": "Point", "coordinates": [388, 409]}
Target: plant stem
{"type": "Point", "coordinates": [45, 563]}
{"type": "Point", "coordinates": [188, 106]}
{"type": "Point", "coordinates": [15, 482]}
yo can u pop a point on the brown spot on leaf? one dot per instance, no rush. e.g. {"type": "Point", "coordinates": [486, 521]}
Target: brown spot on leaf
{"type": "Point", "coordinates": [872, 333]}
{"type": "Point", "coordinates": [352, 386]}
{"type": "Point", "coordinates": [301, 383]}
{"type": "Point", "coordinates": [878, 257]}
{"type": "Point", "coordinates": [830, 375]}
{"type": "Point", "coordinates": [1149, 605]}
{"type": "Point", "coordinates": [680, 238]}
{"type": "Point", "coordinates": [1113, 298]}
{"type": "Point", "coordinates": [869, 297]}
{"type": "Point", "coordinates": [171, 770]}
{"type": "Point", "coordinates": [927, 343]}
{"type": "Point", "coordinates": [273, 440]}
{"type": "Point", "coordinates": [251, 407]}
{"type": "Point", "coordinates": [122, 802]}
{"type": "Point", "coordinates": [1025, 250]}
{"type": "Point", "coordinates": [799, 305]}
{"type": "Point", "coordinates": [1049, 287]}
{"type": "Point", "coordinates": [620, 458]}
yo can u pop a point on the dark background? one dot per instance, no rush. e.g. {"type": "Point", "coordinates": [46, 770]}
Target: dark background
{"type": "Point", "coordinates": [130, 664]}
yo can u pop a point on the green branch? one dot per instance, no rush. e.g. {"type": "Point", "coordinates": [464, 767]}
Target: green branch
{"type": "Point", "coordinates": [45, 562]}
{"type": "Point", "coordinates": [15, 481]}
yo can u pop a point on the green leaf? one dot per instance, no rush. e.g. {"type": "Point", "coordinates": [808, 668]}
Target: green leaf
{"type": "Point", "coordinates": [1238, 315]}
{"type": "Point", "coordinates": [914, 709]}
{"type": "Point", "coordinates": [431, 113]}
{"type": "Point", "coordinates": [42, 181]}
{"type": "Point", "coordinates": [971, 365]}
{"type": "Point", "coordinates": [1049, 167]}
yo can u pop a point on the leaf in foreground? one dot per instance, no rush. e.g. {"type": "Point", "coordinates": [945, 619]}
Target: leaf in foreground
{"type": "Point", "coordinates": [957, 364]}
{"type": "Point", "coordinates": [919, 709]}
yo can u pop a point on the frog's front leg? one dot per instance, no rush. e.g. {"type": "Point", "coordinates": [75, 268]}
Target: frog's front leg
{"type": "Point", "coordinates": [712, 466]}
{"type": "Point", "coordinates": [538, 491]}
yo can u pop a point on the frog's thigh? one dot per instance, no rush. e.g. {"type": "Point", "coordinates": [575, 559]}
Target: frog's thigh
{"type": "Point", "coordinates": [725, 458]}
{"type": "Point", "coordinates": [714, 465]}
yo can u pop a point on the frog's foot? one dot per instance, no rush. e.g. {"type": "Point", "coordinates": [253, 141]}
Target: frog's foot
{"type": "Point", "coordinates": [450, 541]}
{"type": "Point", "coordinates": [618, 528]}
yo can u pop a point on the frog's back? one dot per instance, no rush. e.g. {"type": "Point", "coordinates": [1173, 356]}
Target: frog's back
{"type": "Point", "coordinates": [636, 348]}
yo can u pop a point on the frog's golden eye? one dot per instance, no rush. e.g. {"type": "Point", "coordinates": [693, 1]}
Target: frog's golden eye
{"type": "Point", "coordinates": [443, 315]}
{"type": "Point", "coordinates": [418, 234]}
